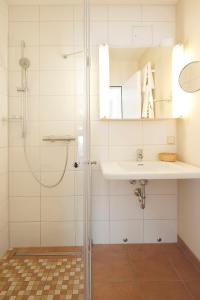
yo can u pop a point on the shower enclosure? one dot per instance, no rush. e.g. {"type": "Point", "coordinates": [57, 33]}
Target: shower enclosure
{"type": "Point", "coordinates": [49, 163]}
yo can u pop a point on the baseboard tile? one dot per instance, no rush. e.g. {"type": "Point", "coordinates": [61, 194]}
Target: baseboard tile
{"type": "Point", "coordinates": [188, 253]}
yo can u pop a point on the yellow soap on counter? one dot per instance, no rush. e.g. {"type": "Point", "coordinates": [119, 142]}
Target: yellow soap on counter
{"type": "Point", "coordinates": [168, 157]}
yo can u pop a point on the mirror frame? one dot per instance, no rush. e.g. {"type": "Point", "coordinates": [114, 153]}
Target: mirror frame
{"type": "Point", "coordinates": [184, 68]}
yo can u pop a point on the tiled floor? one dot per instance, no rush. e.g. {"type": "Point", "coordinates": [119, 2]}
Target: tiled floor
{"type": "Point", "coordinates": [41, 277]}
{"type": "Point", "coordinates": [143, 272]}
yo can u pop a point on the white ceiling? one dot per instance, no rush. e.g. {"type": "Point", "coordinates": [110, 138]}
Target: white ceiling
{"type": "Point", "coordinates": [117, 2]}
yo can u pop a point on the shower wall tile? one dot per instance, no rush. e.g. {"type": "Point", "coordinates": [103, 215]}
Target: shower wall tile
{"type": "Point", "coordinates": [78, 34]}
{"type": "Point", "coordinates": [99, 13]}
{"type": "Point", "coordinates": [55, 104]}
{"type": "Point", "coordinates": [56, 13]}
{"type": "Point", "coordinates": [24, 13]}
{"type": "Point", "coordinates": [17, 161]}
{"type": "Point", "coordinates": [125, 12]}
{"type": "Point", "coordinates": [159, 13]}
{"type": "Point", "coordinates": [51, 58]}
{"type": "Point", "coordinates": [65, 188]}
{"type": "Point", "coordinates": [49, 108]}
{"type": "Point", "coordinates": [23, 31]}
{"type": "Point", "coordinates": [78, 13]}
{"type": "Point", "coordinates": [58, 83]}
{"type": "Point", "coordinates": [59, 153]}
{"type": "Point", "coordinates": [99, 33]}
{"type": "Point", "coordinates": [58, 233]}
{"type": "Point", "coordinates": [164, 33]}
{"type": "Point", "coordinates": [57, 209]}
{"type": "Point", "coordinates": [15, 134]}
{"type": "Point", "coordinates": [3, 127]}
{"type": "Point", "coordinates": [56, 33]}
{"type": "Point", "coordinates": [22, 184]}
{"type": "Point", "coordinates": [25, 234]}
{"type": "Point", "coordinates": [79, 238]}
{"type": "Point", "coordinates": [24, 209]}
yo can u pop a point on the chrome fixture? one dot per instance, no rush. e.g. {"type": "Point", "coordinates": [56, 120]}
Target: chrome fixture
{"type": "Point", "coordinates": [12, 118]}
{"type": "Point", "coordinates": [159, 239]}
{"type": "Point", "coordinates": [139, 155]}
{"type": "Point", "coordinates": [141, 193]}
{"type": "Point", "coordinates": [65, 56]}
{"type": "Point", "coordinates": [24, 63]}
{"type": "Point", "coordinates": [58, 138]}
{"type": "Point", "coordinates": [93, 163]}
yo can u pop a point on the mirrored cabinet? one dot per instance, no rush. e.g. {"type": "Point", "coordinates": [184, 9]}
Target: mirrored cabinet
{"type": "Point", "coordinates": [135, 83]}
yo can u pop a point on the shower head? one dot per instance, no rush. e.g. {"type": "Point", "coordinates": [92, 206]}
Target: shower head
{"type": "Point", "coordinates": [24, 63]}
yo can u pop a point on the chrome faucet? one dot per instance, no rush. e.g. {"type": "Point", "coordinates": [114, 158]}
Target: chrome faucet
{"type": "Point", "coordinates": [139, 154]}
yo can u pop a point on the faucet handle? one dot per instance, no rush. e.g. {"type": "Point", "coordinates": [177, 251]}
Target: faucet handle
{"type": "Point", "coordinates": [139, 151]}
{"type": "Point", "coordinates": [140, 154]}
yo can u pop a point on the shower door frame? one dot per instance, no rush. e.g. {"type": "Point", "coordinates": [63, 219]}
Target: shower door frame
{"type": "Point", "coordinates": [87, 177]}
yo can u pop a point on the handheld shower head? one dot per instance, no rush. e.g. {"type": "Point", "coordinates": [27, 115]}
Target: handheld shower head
{"type": "Point", "coordinates": [24, 63]}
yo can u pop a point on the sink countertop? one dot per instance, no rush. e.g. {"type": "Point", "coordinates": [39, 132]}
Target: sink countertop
{"type": "Point", "coordinates": [134, 170]}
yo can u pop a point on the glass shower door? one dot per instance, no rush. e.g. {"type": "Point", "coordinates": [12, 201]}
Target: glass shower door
{"type": "Point", "coordinates": [49, 170]}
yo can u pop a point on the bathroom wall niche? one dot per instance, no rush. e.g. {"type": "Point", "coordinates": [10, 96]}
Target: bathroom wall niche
{"type": "Point", "coordinates": [135, 83]}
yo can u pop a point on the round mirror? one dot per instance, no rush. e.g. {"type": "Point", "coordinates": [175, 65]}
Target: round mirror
{"type": "Point", "coordinates": [189, 78]}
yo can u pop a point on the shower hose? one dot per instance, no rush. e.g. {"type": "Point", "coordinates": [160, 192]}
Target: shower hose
{"type": "Point", "coordinates": [24, 135]}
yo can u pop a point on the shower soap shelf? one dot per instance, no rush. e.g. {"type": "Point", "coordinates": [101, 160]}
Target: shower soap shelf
{"type": "Point", "coordinates": [58, 138]}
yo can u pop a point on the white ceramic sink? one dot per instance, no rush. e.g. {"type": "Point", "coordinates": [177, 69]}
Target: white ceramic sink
{"type": "Point", "coordinates": [132, 170]}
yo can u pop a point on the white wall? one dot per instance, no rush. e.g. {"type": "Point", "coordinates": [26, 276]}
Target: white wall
{"type": "Point", "coordinates": [188, 131]}
{"type": "Point", "coordinates": [3, 128]}
{"type": "Point", "coordinates": [116, 213]}
{"type": "Point", "coordinates": [37, 215]}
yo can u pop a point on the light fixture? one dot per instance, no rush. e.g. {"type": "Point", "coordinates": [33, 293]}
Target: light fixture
{"type": "Point", "coordinates": [104, 80]}
{"type": "Point", "coordinates": [179, 98]}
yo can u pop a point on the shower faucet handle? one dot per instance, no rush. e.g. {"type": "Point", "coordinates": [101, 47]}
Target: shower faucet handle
{"type": "Point", "coordinates": [58, 138]}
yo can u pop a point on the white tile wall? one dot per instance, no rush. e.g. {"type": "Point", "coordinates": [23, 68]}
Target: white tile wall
{"type": "Point", "coordinates": [116, 212]}
{"type": "Point", "coordinates": [56, 89]}
{"type": "Point", "coordinates": [38, 215]}
{"type": "Point", "coordinates": [3, 127]}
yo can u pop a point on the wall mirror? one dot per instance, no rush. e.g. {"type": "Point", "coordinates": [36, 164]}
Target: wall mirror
{"type": "Point", "coordinates": [189, 78]}
{"type": "Point", "coordinates": [135, 83]}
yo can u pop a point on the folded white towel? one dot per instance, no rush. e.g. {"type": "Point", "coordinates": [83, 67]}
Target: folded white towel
{"type": "Point", "coordinates": [148, 86]}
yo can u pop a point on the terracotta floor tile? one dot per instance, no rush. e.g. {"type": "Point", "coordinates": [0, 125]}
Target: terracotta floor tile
{"type": "Point", "coordinates": [104, 272]}
{"type": "Point", "coordinates": [194, 288]}
{"type": "Point", "coordinates": [163, 291]}
{"type": "Point", "coordinates": [116, 291]}
{"type": "Point", "coordinates": [154, 269]}
{"type": "Point", "coordinates": [184, 268]}
{"type": "Point", "coordinates": [145, 252]}
{"type": "Point", "coordinates": [108, 253]}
